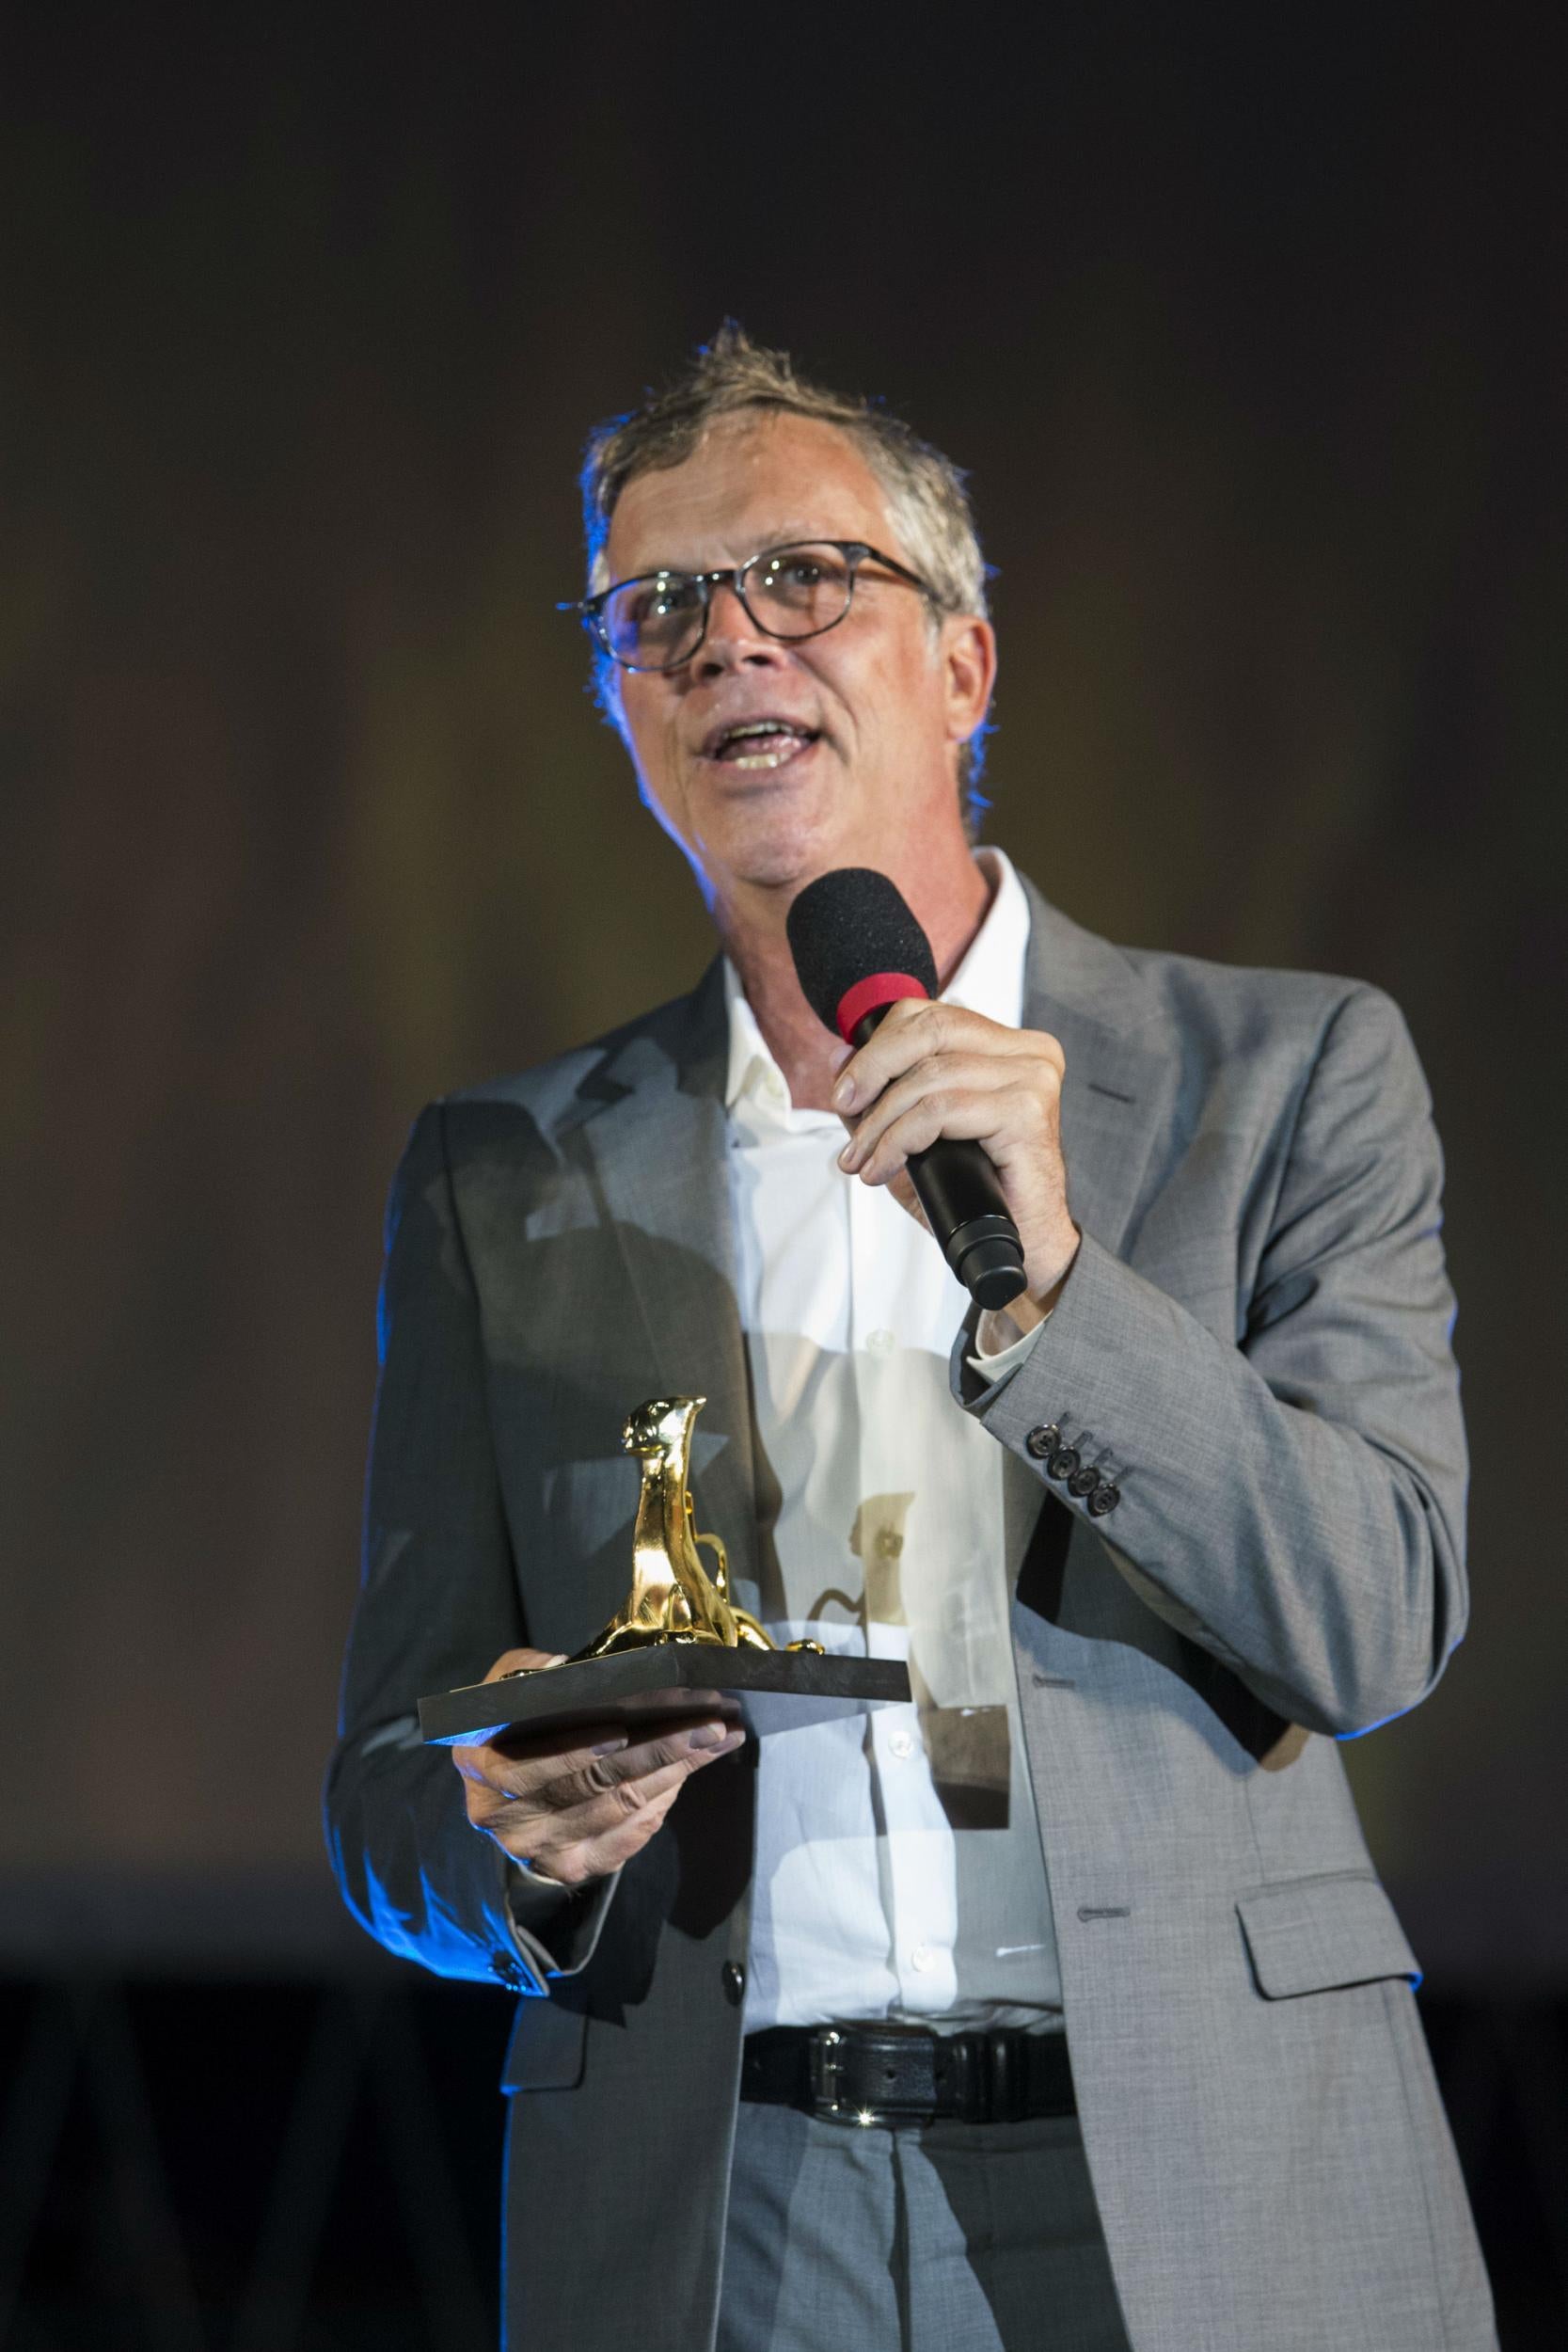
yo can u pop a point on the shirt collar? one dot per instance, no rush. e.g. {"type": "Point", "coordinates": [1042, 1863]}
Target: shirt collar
{"type": "Point", "coordinates": [989, 980]}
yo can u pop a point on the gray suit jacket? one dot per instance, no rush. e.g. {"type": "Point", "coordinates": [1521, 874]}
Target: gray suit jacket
{"type": "Point", "coordinates": [1254, 1344]}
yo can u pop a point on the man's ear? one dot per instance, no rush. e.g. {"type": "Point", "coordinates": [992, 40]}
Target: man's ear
{"type": "Point", "coordinates": [607, 693]}
{"type": "Point", "coordinates": [969, 672]}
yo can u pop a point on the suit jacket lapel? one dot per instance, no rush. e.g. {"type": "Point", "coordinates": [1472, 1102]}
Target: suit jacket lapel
{"type": "Point", "coordinates": [656, 1146]}
{"type": "Point", "coordinates": [1122, 1067]}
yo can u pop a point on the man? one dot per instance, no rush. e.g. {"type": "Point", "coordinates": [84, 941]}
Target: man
{"type": "Point", "coordinates": [792, 2068]}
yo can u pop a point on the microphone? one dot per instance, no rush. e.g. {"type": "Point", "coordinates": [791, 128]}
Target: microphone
{"type": "Point", "coordinates": [857, 949]}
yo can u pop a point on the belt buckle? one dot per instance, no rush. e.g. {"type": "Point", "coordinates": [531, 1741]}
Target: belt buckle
{"type": "Point", "coordinates": [826, 2072]}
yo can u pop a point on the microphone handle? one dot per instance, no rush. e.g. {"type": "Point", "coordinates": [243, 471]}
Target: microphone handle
{"type": "Point", "coordinates": [961, 1195]}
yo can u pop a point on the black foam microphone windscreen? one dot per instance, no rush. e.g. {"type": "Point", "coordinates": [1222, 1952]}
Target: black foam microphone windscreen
{"type": "Point", "coordinates": [847, 927]}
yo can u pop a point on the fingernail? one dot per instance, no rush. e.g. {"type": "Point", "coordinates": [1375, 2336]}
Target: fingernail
{"type": "Point", "coordinates": [847, 1158]}
{"type": "Point", "coordinates": [844, 1093]}
{"type": "Point", "coordinates": [706, 1736]}
{"type": "Point", "coordinates": [608, 1747]}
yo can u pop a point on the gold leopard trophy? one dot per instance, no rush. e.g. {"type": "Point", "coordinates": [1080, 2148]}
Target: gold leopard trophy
{"type": "Point", "coordinates": [674, 1633]}
{"type": "Point", "coordinates": [673, 1597]}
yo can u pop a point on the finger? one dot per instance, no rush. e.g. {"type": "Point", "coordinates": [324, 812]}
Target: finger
{"type": "Point", "coordinates": [934, 1079]}
{"type": "Point", "coordinates": [912, 1028]}
{"type": "Point", "coordinates": [697, 1708]}
{"type": "Point", "coordinates": [549, 1775]}
{"type": "Point", "coordinates": [681, 1750]}
{"type": "Point", "coordinates": [516, 1768]}
{"type": "Point", "coordinates": [537, 1826]}
{"type": "Point", "coordinates": [600, 1809]}
{"type": "Point", "coordinates": [598, 1856]}
{"type": "Point", "coordinates": [908, 1029]}
{"type": "Point", "coordinates": [1005, 1120]}
{"type": "Point", "coordinates": [576, 1858]}
{"type": "Point", "coordinates": [516, 1662]}
{"type": "Point", "coordinates": [958, 1098]}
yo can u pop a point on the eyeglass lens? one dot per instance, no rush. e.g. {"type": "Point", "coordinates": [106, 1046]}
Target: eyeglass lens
{"type": "Point", "coordinates": [656, 622]}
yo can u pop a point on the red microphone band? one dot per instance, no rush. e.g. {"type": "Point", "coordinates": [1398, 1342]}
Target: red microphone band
{"type": "Point", "coordinates": [870, 995]}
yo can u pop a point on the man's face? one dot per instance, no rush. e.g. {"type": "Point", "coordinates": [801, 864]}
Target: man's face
{"type": "Point", "coordinates": [872, 711]}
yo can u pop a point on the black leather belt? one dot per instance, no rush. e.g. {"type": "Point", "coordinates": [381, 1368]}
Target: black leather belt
{"type": "Point", "coordinates": [879, 2074]}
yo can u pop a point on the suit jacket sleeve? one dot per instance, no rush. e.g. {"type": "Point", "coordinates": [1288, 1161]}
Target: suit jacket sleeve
{"type": "Point", "coordinates": [438, 1600]}
{"type": "Point", "coordinates": [1294, 1503]}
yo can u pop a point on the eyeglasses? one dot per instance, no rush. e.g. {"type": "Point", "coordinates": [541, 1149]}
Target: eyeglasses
{"type": "Point", "coordinates": [658, 621]}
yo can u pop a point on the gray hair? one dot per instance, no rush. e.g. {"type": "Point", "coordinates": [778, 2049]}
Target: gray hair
{"type": "Point", "coordinates": [927, 501]}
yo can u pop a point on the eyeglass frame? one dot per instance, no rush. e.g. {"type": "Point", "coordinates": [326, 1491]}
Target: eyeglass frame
{"type": "Point", "coordinates": [589, 609]}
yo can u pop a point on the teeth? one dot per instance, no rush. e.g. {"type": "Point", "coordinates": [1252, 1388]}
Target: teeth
{"type": "Point", "coordinates": [782, 739]}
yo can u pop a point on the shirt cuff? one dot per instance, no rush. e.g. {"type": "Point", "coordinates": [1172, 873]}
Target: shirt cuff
{"type": "Point", "coordinates": [555, 1929]}
{"type": "Point", "coordinates": [994, 1355]}
{"type": "Point", "coordinates": [542, 1879]}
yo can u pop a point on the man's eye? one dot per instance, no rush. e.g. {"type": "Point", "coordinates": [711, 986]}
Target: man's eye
{"type": "Point", "coordinates": [661, 597]}
{"type": "Point", "coordinates": [797, 571]}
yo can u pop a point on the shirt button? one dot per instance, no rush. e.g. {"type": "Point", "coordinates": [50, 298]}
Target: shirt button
{"type": "Point", "coordinates": [901, 1743]}
{"type": "Point", "coordinates": [773, 1087]}
{"type": "Point", "coordinates": [881, 1341]}
{"type": "Point", "coordinates": [923, 1959]}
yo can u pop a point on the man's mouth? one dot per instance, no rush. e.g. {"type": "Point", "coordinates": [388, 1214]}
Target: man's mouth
{"type": "Point", "coordinates": [759, 743]}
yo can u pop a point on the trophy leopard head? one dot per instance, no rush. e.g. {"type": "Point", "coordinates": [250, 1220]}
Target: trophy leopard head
{"type": "Point", "coordinates": [662, 1426]}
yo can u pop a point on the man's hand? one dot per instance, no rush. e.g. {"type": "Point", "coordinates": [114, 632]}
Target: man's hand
{"type": "Point", "coordinates": [579, 1804]}
{"type": "Point", "coordinates": [933, 1069]}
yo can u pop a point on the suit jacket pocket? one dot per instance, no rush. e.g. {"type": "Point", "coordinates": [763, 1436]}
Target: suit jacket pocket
{"type": "Point", "coordinates": [1311, 1934]}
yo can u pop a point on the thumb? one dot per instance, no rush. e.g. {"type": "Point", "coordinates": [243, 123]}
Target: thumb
{"type": "Point", "coordinates": [516, 1662]}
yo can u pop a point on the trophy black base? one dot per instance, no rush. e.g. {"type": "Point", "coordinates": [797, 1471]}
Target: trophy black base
{"type": "Point", "coordinates": [772, 1689]}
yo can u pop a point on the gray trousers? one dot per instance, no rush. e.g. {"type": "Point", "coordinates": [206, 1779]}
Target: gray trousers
{"type": "Point", "coordinates": [941, 2238]}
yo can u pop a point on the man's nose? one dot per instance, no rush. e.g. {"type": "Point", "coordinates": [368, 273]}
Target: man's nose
{"type": "Point", "coordinates": [732, 638]}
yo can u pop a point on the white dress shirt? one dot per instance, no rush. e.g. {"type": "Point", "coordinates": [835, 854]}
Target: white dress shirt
{"type": "Point", "coordinates": [898, 1865]}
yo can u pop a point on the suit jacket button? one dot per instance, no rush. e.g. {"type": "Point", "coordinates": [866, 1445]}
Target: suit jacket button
{"type": "Point", "coordinates": [733, 1978]}
{"type": "Point", "coordinates": [507, 1967]}
{"type": "Point", "coordinates": [1105, 1498]}
{"type": "Point", "coordinates": [1064, 1461]}
{"type": "Point", "coordinates": [1082, 1482]}
{"type": "Point", "coordinates": [1039, 1442]}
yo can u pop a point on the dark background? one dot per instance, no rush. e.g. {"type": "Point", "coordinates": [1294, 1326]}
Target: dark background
{"type": "Point", "coordinates": [1250, 327]}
